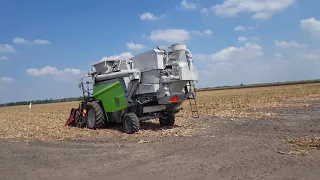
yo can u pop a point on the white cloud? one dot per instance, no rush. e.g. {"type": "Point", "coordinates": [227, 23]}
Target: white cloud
{"type": "Point", "coordinates": [261, 9]}
{"type": "Point", "coordinates": [247, 39]}
{"type": "Point", "coordinates": [176, 35]}
{"type": "Point", "coordinates": [243, 28]}
{"type": "Point", "coordinates": [6, 80]}
{"type": "Point", "coordinates": [311, 25]}
{"type": "Point", "coordinates": [202, 57]}
{"type": "Point", "coordinates": [148, 16]}
{"type": "Point", "coordinates": [126, 55]}
{"type": "Point", "coordinates": [18, 40]}
{"type": "Point", "coordinates": [52, 71]}
{"type": "Point", "coordinates": [289, 44]}
{"type": "Point", "coordinates": [205, 11]}
{"type": "Point", "coordinates": [40, 41]}
{"type": "Point", "coordinates": [188, 5]}
{"type": "Point", "coordinates": [239, 28]}
{"type": "Point", "coordinates": [72, 71]}
{"type": "Point", "coordinates": [133, 46]}
{"type": "Point", "coordinates": [47, 70]}
{"type": "Point", "coordinates": [311, 56]}
{"type": "Point", "coordinates": [248, 51]}
{"type": "Point", "coordinates": [207, 32]}
{"type": "Point", "coordinates": [262, 15]}
{"type": "Point", "coordinates": [6, 48]}
{"type": "Point", "coordinates": [278, 55]}
{"type": "Point", "coordinates": [197, 33]}
{"type": "Point", "coordinates": [4, 58]}
{"type": "Point", "coordinates": [242, 39]}
{"type": "Point", "coordinates": [261, 69]}
{"type": "Point", "coordinates": [169, 35]}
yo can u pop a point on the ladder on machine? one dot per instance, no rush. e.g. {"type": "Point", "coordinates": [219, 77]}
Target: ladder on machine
{"type": "Point", "coordinates": [192, 100]}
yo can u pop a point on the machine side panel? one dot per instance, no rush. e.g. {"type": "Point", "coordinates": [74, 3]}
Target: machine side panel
{"type": "Point", "coordinates": [148, 109]}
{"type": "Point", "coordinates": [111, 95]}
{"type": "Point", "coordinates": [147, 88]}
{"type": "Point", "coordinates": [177, 86]}
{"type": "Point", "coordinates": [98, 85]}
{"type": "Point", "coordinates": [186, 74]}
{"type": "Point", "coordinates": [149, 60]}
{"type": "Point", "coordinates": [102, 66]}
{"type": "Point", "coordinates": [151, 77]}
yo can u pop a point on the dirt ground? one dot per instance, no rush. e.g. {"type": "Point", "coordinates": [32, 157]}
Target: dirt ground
{"type": "Point", "coordinates": [228, 149]}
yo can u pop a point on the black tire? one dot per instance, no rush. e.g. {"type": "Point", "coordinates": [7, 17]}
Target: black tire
{"type": "Point", "coordinates": [95, 116]}
{"type": "Point", "coordinates": [77, 116]}
{"type": "Point", "coordinates": [167, 120]}
{"type": "Point", "coordinates": [131, 123]}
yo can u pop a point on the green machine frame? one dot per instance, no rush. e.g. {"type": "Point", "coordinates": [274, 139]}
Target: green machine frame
{"type": "Point", "coordinates": [111, 95]}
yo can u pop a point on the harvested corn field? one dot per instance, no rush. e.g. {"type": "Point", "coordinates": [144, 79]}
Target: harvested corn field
{"type": "Point", "coordinates": [47, 121]}
{"type": "Point", "coordinates": [258, 133]}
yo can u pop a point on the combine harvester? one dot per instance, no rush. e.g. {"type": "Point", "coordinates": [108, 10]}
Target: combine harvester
{"type": "Point", "coordinates": [148, 86]}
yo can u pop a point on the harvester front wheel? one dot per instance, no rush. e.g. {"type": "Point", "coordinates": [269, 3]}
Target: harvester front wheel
{"type": "Point", "coordinates": [95, 116]}
{"type": "Point", "coordinates": [167, 120]}
{"type": "Point", "coordinates": [131, 123]}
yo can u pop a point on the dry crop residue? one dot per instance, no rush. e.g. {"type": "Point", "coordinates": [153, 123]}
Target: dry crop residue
{"type": "Point", "coordinates": [47, 121]}
{"type": "Point", "coordinates": [302, 145]}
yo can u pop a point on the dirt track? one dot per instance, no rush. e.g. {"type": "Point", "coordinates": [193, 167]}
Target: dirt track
{"type": "Point", "coordinates": [229, 149]}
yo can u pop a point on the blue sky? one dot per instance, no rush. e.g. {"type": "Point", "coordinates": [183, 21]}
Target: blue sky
{"type": "Point", "coordinates": [46, 46]}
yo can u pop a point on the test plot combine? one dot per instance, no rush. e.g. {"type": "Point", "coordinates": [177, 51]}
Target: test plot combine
{"type": "Point", "coordinates": [151, 85]}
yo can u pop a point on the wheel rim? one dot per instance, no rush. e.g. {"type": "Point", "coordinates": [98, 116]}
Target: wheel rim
{"type": "Point", "coordinates": [91, 118]}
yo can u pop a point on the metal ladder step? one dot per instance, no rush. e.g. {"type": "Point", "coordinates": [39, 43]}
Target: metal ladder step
{"type": "Point", "coordinates": [193, 101]}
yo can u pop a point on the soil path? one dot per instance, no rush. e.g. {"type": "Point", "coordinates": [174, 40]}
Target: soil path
{"type": "Point", "coordinates": [229, 149]}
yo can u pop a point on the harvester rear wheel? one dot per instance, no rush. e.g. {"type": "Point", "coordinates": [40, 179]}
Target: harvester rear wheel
{"type": "Point", "coordinates": [167, 120]}
{"type": "Point", "coordinates": [131, 123]}
{"type": "Point", "coordinates": [95, 116]}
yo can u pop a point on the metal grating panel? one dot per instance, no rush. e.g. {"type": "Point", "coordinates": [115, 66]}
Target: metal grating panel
{"type": "Point", "coordinates": [123, 65]}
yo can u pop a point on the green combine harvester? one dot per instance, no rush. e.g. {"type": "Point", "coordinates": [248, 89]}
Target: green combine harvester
{"type": "Point", "coordinates": [151, 85]}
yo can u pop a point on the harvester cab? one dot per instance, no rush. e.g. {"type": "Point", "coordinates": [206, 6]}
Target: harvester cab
{"type": "Point", "coordinates": [150, 85]}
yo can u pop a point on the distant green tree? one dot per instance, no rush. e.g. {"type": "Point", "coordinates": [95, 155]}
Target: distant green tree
{"type": "Point", "coordinates": [45, 101]}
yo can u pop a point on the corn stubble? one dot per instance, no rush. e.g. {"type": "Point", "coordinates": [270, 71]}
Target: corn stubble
{"type": "Point", "coordinates": [47, 121]}
{"type": "Point", "coordinates": [301, 146]}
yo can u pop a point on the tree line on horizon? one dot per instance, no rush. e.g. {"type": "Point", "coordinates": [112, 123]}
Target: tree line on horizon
{"type": "Point", "coordinates": [45, 101]}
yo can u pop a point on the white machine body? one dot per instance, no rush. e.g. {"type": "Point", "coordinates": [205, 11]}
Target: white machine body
{"type": "Point", "coordinates": [156, 73]}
